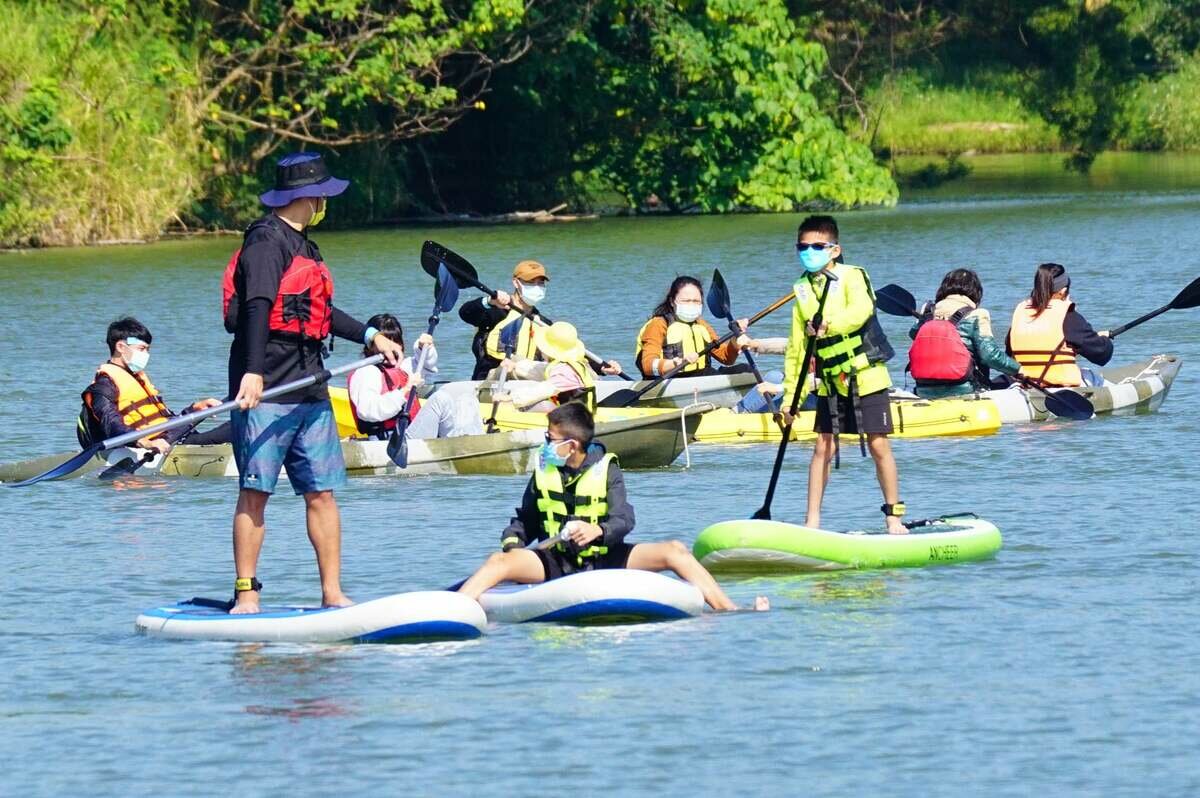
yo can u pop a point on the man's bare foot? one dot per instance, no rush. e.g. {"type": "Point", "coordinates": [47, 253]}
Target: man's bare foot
{"type": "Point", "coordinates": [761, 604]}
{"type": "Point", "coordinates": [895, 526]}
{"type": "Point", "coordinates": [246, 603]}
{"type": "Point", "coordinates": [338, 599]}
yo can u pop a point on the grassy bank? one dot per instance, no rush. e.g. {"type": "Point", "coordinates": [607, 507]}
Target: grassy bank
{"type": "Point", "coordinates": [919, 117]}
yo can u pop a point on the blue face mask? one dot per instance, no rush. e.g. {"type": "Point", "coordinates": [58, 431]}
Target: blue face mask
{"type": "Point", "coordinates": [812, 260]}
{"type": "Point", "coordinates": [549, 455]}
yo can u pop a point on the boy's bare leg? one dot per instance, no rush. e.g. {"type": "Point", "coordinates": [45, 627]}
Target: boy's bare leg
{"type": "Point", "coordinates": [674, 556]}
{"type": "Point", "coordinates": [889, 479]}
{"type": "Point", "coordinates": [818, 478]}
{"type": "Point", "coordinates": [518, 565]}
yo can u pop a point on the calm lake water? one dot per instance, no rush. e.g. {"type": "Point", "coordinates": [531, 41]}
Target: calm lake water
{"type": "Point", "coordinates": [1066, 666]}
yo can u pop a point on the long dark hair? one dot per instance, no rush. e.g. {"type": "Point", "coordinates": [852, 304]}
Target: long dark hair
{"type": "Point", "coordinates": [667, 306]}
{"type": "Point", "coordinates": [1043, 286]}
{"type": "Point", "coordinates": [961, 281]}
{"type": "Point", "coordinates": [387, 324]}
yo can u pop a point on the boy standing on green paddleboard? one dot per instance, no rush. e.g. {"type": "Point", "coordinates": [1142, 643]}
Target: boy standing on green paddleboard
{"type": "Point", "coordinates": [851, 377]}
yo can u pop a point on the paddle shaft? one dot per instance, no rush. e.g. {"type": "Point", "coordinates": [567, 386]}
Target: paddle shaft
{"type": "Point", "coordinates": [809, 350]}
{"type": "Point", "coordinates": [1113, 333]}
{"type": "Point", "coordinates": [708, 350]}
{"type": "Point", "coordinates": [491, 422]}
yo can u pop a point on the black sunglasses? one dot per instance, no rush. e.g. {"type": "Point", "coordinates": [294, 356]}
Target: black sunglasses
{"type": "Point", "coordinates": [817, 245]}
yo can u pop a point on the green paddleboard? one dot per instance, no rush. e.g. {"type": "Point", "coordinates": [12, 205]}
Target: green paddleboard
{"type": "Point", "coordinates": [758, 546]}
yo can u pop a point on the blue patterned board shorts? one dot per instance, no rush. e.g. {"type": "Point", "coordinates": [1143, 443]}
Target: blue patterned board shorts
{"type": "Point", "coordinates": [302, 438]}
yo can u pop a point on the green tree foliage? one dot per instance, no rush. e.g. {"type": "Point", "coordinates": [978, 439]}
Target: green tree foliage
{"type": "Point", "coordinates": [681, 105]}
{"type": "Point", "coordinates": [95, 141]}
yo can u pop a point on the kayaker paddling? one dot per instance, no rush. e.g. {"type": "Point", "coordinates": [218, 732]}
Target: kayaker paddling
{"type": "Point", "coordinates": [561, 373]}
{"type": "Point", "coordinates": [579, 490]}
{"type": "Point", "coordinates": [953, 349]}
{"type": "Point", "coordinates": [122, 399]}
{"type": "Point", "coordinates": [379, 393]}
{"type": "Point", "coordinates": [511, 317]}
{"type": "Point", "coordinates": [1048, 334]}
{"type": "Point", "coordinates": [279, 305]}
{"type": "Point", "coordinates": [851, 375]}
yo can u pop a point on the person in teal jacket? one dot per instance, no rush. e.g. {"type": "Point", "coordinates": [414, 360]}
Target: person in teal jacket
{"type": "Point", "coordinates": [960, 291]}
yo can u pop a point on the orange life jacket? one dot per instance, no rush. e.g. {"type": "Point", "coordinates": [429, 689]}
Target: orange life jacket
{"type": "Point", "coordinates": [138, 401]}
{"type": "Point", "coordinates": [1038, 344]}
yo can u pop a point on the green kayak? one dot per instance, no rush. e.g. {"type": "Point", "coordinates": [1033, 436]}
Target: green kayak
{"type": "Point", "coordinates": [764, 546]}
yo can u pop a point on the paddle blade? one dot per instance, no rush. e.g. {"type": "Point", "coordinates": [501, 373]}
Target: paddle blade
{"type": "Point", "coordinates": [127, 466]}
{"type": "Point", "coordinates": [1188, 297]}
{"type": "Point", "coordinates": [509, 335]}
{"type": "Point", "coordinates": [446, 289]}
{"type": "Point", "coordinates": [623, 397]}
{"type": "Point", "coordinates": [895, 301]}
{"type": "Point", "coordinates": [718, 297]}
{"type": "Point", "coordinates": [1069, 404]}
{"type": "Point", "coordinates": [397, 448]}
{"type": "Point", "coordinates": [762, 514]}
{"type": "Point", "coordinates": [434, 256]}
{"type": "Point", "coordinates": [59, 471]}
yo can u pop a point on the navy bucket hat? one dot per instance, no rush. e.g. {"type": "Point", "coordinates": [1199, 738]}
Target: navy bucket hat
{"type": "Point", "coordinates": [302, 174]}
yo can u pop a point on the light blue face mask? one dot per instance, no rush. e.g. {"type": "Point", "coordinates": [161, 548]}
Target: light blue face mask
{"type": "Point", "coordinates": [813, 260]}
{"type": "Point", "coordinates": [549, 455]}
{"type": "Point", "coordinates": [139, 358]}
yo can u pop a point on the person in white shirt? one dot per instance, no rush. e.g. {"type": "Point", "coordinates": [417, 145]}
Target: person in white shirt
{"type": "Point", "coordinates": [380, 393]}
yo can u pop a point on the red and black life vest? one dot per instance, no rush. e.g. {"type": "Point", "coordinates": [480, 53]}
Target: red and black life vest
{"type": "Point", "coordinates": [393, 379]}
{"type": "Point", "coordinates": [303, 308]}
{"type": "Point", "coordinates": [938, 355]}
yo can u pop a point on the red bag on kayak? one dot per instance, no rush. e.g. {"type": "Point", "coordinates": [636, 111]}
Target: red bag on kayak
{"type": "Point", "coordinates": [938, 355]}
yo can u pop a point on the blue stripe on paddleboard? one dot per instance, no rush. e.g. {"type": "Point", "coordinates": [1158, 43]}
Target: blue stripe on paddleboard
{"type": "Point", "coordinates": [597, 610]}
{"type": "Point", "coordinates": [422, 630]}
{"type": "Point", "coordinates": [191, 612]}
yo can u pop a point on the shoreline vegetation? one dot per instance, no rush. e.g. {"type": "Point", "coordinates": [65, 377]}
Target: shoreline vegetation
{"type": "Point", "coordinates": [130, 120]}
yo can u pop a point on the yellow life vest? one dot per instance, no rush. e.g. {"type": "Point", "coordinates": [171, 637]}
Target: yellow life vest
{"type": "Point", "coordinates": [682, 339]}
{"type": "Point", "coordinates": [589, 501]}
{"type": "Point", "coordinates": [525, 348]}
{"type": "Point", "coordinates": [1038, 343]}
{"type": "Point", "coordinates": [138, 401]}
{"type": "Point", "coordinates": [842, 359]}
{"type": "Point", "coordinates": [585, 395]}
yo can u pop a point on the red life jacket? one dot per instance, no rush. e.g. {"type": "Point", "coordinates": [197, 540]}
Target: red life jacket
{"type": "Point", "coordinates": [303, 308]}
{"type": "Point", "coordinates": [938, 355]}
{"type": "Point", "coordinates": [393, 378]}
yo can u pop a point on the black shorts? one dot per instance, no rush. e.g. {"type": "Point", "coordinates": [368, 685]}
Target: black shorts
{"type": "Point", "coordinates": [876, 410]}
{"type": "Point", "coordinates": [557, 563]}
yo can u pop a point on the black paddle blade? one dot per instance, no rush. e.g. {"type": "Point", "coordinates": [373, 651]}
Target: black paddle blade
{"type": "Point", "coordinates": [74, 464]}
{"type": "Point", "coordinates": [895, 301]}
{"type": "Point", "coordinates": [397, 447]}
{"type": "Point", "coordinates": [434, 256]}
{"type": "Point", "coordinates": [1188, 297]}
{"type": "Point", "coordinates": [718, 297]}
{"type": "Point", "coordinates": [762, 514]}
{"type": "Point", "coordinates": [1069, 404]}
{"type": "Point", "coordinates": [445, 292]}
{"type": "Point", "coordinates": [127, 466]}
{"type": "Point", "coordinates": [623, 397]}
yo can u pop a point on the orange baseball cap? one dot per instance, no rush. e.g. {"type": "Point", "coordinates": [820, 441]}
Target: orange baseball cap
{"type": "Point", "coordinates": [529, 270]}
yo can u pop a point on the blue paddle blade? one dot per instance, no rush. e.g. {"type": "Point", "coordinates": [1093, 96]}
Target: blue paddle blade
{"type": "Point", "coordinates": [397, 447]}
{"type": "Point", "coordinates": [718, 297]}
{"type": "Point", "coordinates": [509, 335]}
{"type": "Point", "coordinates": [74, 464]}
{"type": "Point", "coordinates": [446, 290]}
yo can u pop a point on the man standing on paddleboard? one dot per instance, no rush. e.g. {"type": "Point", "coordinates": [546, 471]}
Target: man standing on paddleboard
{"type": "Point", "coordinates": [278, 303]}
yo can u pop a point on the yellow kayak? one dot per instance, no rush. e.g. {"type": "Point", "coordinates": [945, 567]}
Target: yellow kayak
{"type": "Point", "coordinates": [912, 418]}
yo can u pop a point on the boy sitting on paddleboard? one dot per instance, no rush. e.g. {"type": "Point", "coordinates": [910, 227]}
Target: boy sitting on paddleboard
{"type": "Point", "coordinates": [579, 491]}
{"type": "Point", "coordinates": [122, 399]}
{"type": "Point", "coordinates": [851, 374]}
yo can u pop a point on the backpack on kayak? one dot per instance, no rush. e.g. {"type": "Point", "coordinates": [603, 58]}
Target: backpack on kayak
{"type": "Point", "coordinates": [938, 355]}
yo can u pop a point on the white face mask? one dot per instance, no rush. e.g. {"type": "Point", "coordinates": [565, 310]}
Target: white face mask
{"type": "Point", "coordinates": [688, 311]}
{"type": "Point", "coordinates": [137, 360]}
{"type": "Point", "coordinates": [532, 292]}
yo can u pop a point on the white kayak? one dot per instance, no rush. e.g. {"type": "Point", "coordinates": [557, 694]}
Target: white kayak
{"type": "Point", "coordinates": [404, 617]}
{"type": "Point", "coordinates": [620, 595]}
{"type": "Point", "coordinates": [1128, 390]}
